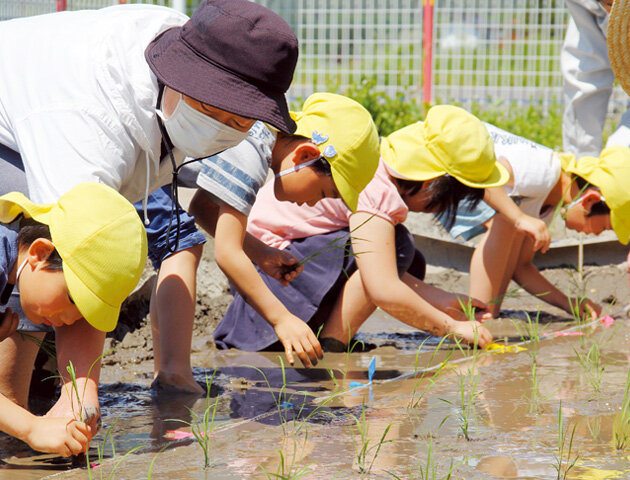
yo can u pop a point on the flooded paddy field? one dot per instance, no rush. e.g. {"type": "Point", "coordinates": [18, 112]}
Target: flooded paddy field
{"type": "Point", "coordinates": [548, 406]}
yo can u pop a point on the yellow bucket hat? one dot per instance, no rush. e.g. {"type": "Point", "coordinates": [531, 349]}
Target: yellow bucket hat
{"type": "Point", "coordinates": [449, 141]}
{"type": "Point", "coordinates": [347, 138]}
{"type": "Point", "coordinates": [101, 240]}
{"type": "Point", "coordinates": [611, 174]}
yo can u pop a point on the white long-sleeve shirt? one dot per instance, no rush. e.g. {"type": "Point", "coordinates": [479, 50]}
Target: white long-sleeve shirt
{"type": "Point", "coordinates": [77, 99]}
{"type": "Point", "coordinates": [588, 81]}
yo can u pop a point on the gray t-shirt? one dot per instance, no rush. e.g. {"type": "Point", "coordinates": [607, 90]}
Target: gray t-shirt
{"type": "Point", "coordinates": [235, 175]}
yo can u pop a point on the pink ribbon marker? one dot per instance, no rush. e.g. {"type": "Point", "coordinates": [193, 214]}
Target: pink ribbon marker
{"type": "Point", "coordinates": [180, 435]}
{"type": "Point", "coordinates": [608, 321]}
{"type": "Point", "coordinates": [567, 334]}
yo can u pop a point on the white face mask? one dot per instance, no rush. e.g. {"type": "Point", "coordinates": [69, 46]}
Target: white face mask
{"type": "Point", "coordinates": [196, 134]}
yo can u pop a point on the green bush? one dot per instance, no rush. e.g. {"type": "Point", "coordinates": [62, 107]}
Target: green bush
{"type": "Point", "coordinates": [538, 122]}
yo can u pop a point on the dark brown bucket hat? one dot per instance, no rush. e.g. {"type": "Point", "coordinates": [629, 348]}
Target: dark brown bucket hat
{"type": "Point", "coordinates": [234, 55]}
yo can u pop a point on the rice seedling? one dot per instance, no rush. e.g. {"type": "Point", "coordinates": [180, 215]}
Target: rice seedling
{"type": "Point", "coordinates": [287, 468]}
{"type": "Point", "coordinates": [152, 464]}
{"type": "Point", "coordinates": [532, 332]}
{"type": "Point", "coordinates": [365, 453]}
{"type": "Point", "coordinates": [468, 383]}
{"type": "Point", "coordinates": [100, 457]}
{"type": "Point", "coordinates": [285, 402]}
{"type": "Point", "coordinates": [344, 242]}
{"type": "Point", "coordinates": [564, 458]}
{"type": "Point", "coordinates": [417, 394]}
{"type": "Point", "coordinates": [429, 470]}
{"type": "Point", "coordinates": [593, 365]}
{"type": "Point", "coordinates": [202, 426]}
{"type": "Point", "coordinates": [621, 424]}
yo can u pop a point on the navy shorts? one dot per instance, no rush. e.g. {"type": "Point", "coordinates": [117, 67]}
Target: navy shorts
{"type": "Point", "coordinates": [311, 295]}
{"type": "Point", "coordinates": [12, 177]}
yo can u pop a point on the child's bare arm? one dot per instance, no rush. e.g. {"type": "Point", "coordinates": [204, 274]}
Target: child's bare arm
{"type": "Point", "coordinates": [498, 199]}
{"type": "Point", "coordinates": [529, 277]}
{"type": "Point", "coordinates": [8, 323]}
{"type": "Point", "coordinates": [64, 436]}
{"type": "Point", "coordinates": [293, 333]}
{"type": "Point", "coordinates": [373, 242]}
{"type": "Point", "coordinates": [275, 263]}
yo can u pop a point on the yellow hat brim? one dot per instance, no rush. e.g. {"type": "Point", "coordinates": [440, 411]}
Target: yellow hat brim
{"type": "Point", "coordinates": [348, 194]}
{"type": "Point", "coordinates": [14, 204]}
{"type": "Point", "coordinates": [498, 177]}
{"type": "Point", "coordinates": [97, 313]}
{"type": "Point", "coordinates": [622, 230]}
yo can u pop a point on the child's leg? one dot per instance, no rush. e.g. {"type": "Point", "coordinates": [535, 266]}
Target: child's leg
{"type": "Point", "coordinates": [174, 298]}
{"type": "Point", "coordinates": [353, 305]}
{"type": "Point", "coordinates": [172, 314]}
{"type": "Point", "coordinates": [351, 309]}
{"type": "Point", "coordinates": [494, 261]}
{"type": "Point", "coordinates": [16, 368]}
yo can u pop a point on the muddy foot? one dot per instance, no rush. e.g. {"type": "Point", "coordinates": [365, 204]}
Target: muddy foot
{"type": "Point", "coordinates": [164, 383]}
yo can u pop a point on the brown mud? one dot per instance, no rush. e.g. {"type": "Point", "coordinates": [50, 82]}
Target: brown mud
{"type": "Point", "coordinates": [272, 422]}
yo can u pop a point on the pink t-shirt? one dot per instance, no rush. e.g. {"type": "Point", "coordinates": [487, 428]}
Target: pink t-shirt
{"type": "Point", "coordinates": [277, 223]}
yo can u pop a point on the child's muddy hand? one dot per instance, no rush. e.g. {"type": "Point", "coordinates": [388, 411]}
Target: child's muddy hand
{"type": "Point", "coordinates": [296, 336]}
{"type": "Point", "coordinates": [280, 265]}
{"type": "Point", "coordinates": [537, 229]}
{"type": "Point", "coordinates": [8, 323]}
{"type": "Point", "coordinates": [472, 332]}
{"type": "Point", "coordinates": [588, 308]}
{"type": "Point", "coordinates": [460, 302]}
{"type": "Point", "coordinates": [64, 436]}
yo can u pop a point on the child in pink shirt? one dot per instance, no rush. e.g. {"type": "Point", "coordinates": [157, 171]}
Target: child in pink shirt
{"type": "Point", "coordinates": [355, 262]}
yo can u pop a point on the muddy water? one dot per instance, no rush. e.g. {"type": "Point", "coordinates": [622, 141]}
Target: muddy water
{"type": "Point", "coordinates": [304, 422]}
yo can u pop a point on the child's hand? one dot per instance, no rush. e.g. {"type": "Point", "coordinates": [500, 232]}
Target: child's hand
{"type": "Point", "coordinates": [587, 308]}
{"type": "Point", "coordinates": [537, 229]}
{"type": "Point", "coordinates": [64, 436]}
{"type": "Point", "coordinates": [295, 335]}
{"type": "Point", "coordinates": [8, 323]}
{"type": "Point", "coordinates": [471, 330]}
{"type": "Point", "coordinates": [280, 265]}
{"type": "Point", "coordinates": [457, 302]}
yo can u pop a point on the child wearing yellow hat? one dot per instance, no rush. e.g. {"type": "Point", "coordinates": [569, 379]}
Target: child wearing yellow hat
{"type": "Point", "coordinates": [64, 436]}
{"type": "Point", "coordinates": [429, 166]}
{"type": "Point", "coordinates": [77, 258]}
{"type": "Point", "coordinates": [333, 153]}
{"type": "Point", "coordinates": [590, 194]}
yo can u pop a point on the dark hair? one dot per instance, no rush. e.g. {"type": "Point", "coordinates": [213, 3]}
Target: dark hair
{"type": "Point", "coordinates": [598, 208]}
{"type": "Point", "coordinates": [322, 167]}
{"type": "Point", "coordinates": [31, 230]}
{"type": "Point", "coordinates": [444, 193]}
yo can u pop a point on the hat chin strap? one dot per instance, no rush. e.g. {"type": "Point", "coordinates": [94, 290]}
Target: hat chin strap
{"type": "Point", "coordinates": [19, 270]}
{"type": "Point", "coordinates": [297, 167]}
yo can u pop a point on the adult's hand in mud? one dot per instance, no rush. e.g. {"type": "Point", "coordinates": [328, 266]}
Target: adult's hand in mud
{"type": "Point", "coordinates": [296, 336]}
{"type": "Point", "coordinates": [64, 436]}
{"type": "Point", "coordinates": [535, 228]}
{"type": "Point", "coordinates": [588, 309]}
{"type": "Point", "coordinates": [471, 332]}
{"type": "Point", "coordinates": [8, 323]}
{"type": "Point", "coordinates": [280, 265]}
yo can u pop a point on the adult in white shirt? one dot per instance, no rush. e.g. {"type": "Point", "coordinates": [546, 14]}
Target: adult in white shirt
{"type": "Point", "coordinates": [120, 96]}
{"type": "Point", "coordinates": [588, 81]}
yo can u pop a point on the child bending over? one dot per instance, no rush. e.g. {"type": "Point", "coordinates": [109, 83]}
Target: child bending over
{"type": "Point", "coordinates": [428, 166]}
{"type": "Point", "coordinates": [79, 257]}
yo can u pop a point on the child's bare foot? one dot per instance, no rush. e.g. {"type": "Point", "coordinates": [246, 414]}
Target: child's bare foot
{"type": "Point", "coordinates": [175, 383]}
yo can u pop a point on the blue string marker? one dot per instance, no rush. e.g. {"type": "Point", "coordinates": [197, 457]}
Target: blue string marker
{"type": "Point", "coordinates": [371, 370]}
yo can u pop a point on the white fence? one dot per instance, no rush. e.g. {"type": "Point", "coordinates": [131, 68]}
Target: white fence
{"type": "Point", "coordinates": [483, 50]}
